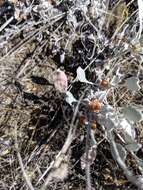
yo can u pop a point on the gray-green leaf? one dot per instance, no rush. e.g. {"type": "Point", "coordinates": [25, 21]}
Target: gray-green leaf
{"type": "Point", "coordinates": [133, 84]}
{"type": "Point", "coordinates": [121, 150]}
{"type": "Point", "coordinates": [133, 147]}
{"type": "Point", "coordinates": [132, 114]}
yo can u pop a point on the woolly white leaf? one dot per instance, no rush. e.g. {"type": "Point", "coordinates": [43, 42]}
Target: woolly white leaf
{"type": "Point", "coordinates": [101, 95]}
{"type": "Point", "coordinates": [121, 150]}
{"type": "Point", "coordinates": [108, 119]}
{"type": "Point", "coordinates": [133, 147]}
{"type": "Point", "coordinates": [81, 76]}
{"type": "Point", "coordinates": [132, 114]}
{"type": "Point", "coordinates": [70, 98]}
{"type": "Point", "coordinates": [133, 84]}
{"type": "Point", "coordinates": [129, 132]}
{"type": "Point", "coordinates": [116, 78]}
{"type": "Point", "coordinates": [107, 109]}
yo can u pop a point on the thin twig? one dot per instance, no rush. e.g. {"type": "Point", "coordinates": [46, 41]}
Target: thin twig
{"type": "Point", "coordinates": [6, 23]}
{"type": "Point", "coordinates": [87, 169]}
{"type": "Point", "coordinates": [27, 180]}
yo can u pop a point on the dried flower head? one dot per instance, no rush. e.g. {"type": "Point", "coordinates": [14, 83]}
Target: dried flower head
{"type": "Point", "coordinates": [93, 125]}
{"type": "Point", "coordinates": [82, 120]}
{"type": "Point", "coordinates": [104, 83]}
{"type": "Point", "coordinates": [95, 105]}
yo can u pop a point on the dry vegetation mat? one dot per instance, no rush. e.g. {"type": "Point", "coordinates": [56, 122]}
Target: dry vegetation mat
{"type": "Point", "coordinates": [71, 94]}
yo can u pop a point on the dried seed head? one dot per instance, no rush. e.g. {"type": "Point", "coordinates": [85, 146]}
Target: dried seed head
{"type": "Point", "coordinates": [93, 125]}
{"type": "Point", "coordinates": [82, 120]}
{"type": "Point", "coordinates": [95, 106]}
{"type": "Point", "coordinates": [104, 83]}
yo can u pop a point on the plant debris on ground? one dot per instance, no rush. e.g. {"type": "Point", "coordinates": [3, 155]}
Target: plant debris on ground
{"type": "Point", "coordinates": [71, 94]}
